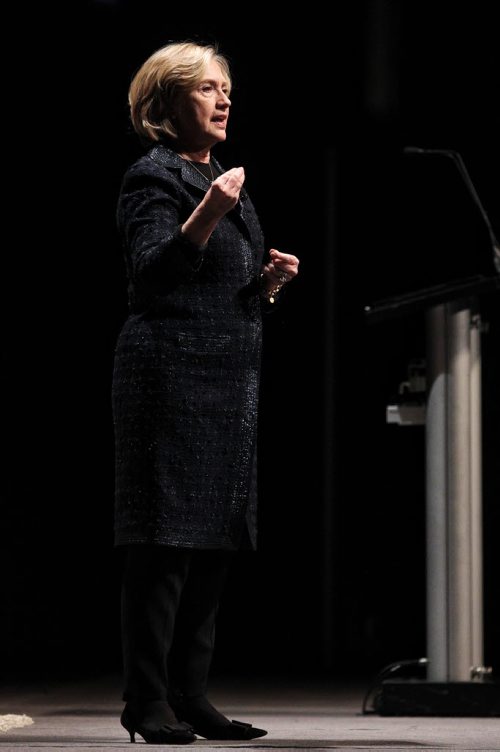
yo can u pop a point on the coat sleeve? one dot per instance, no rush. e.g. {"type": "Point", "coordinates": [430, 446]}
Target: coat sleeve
{"type": "Point", "coordinates": [149, 219]}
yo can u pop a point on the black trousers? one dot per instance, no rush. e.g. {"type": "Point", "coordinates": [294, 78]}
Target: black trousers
{"type": "Point", "coordinates": [170, 599]}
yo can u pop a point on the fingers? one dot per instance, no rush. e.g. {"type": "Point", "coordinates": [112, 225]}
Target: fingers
{"type": "Point", "coordinates": [268, 270]}
{"type": "Point", "coordinates": [282, 257]}
{"type": "Point", "coordinates": [284, 266]}
{"type": "Point", "coordinates": [237, 172]}
{"type": "Point", "coordinates": [277, 275]}
{"type": "Point", "coordinates": [233, 178]}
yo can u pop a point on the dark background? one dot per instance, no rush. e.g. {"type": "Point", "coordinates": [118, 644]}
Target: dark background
{"type": "Point", "coordinates": [321, 111]}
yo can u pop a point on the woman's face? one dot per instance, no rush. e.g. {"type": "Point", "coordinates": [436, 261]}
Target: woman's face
{"type": "Point", "coordinates": [203, 112]}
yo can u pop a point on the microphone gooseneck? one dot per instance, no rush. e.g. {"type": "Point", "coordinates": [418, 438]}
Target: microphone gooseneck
{"type": "Point", "coordinates": [457, 158]}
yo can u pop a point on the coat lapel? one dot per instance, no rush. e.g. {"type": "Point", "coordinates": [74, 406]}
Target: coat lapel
{"type": "Point", "coordinates": [168, 158]}
{"type": "Point", "coordinates": [243, 210]}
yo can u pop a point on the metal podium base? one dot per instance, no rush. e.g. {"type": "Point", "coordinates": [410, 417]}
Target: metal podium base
{"type": "Point", "coordinates": [428, 698]}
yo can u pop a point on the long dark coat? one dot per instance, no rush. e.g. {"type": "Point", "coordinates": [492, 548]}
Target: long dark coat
{"type": "Point", "coordinates": [185, 386]}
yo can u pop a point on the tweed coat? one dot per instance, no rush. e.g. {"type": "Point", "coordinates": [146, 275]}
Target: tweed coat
{"type": "Point", "coordinates": [187, 363]}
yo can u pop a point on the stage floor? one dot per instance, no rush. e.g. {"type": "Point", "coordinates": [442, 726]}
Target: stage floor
{"type": "Point", "coordinates": [298, 714]}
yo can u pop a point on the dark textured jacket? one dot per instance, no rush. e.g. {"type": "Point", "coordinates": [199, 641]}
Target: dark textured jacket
{"type": "Point", "coordinates": [185, 386]}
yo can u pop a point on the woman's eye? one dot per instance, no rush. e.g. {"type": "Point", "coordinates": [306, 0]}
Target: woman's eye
{"type": "Point", "coordinates": [207, 88]}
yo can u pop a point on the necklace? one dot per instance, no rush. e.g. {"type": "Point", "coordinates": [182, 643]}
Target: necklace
{"type": "Point", "coordinates": [210, 180]}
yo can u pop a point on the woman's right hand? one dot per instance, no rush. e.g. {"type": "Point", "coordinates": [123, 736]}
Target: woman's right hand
{"type": "Point", "coordinates": [224, 192]}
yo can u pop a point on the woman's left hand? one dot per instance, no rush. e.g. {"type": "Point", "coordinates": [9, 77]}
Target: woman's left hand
{"type": "Point", "coordinates": [281, 268]}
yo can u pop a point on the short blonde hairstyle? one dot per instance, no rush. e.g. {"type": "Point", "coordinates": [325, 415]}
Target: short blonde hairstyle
{"type": "Point", "coordinates": [172, 69]}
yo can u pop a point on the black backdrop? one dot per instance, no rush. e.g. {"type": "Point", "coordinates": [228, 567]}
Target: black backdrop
{"type": "Point", "coordinates": [321, 111]}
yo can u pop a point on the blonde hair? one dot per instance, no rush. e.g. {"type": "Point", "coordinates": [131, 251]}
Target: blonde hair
{"type": "Point", "coordinates": [172, 69]}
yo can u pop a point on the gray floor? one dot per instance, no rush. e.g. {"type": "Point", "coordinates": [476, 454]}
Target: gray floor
{"type": "Point", "coordinates": [84, 715]}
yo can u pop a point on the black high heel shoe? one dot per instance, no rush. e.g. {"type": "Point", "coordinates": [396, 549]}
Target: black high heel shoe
{"type": "Point", "coordinates": [206, 720]}
{"type": "Point", "coordinates": [156, 723]}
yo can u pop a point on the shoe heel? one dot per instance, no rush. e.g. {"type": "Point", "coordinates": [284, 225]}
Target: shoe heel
{"type": "Point", "coordinates": [127, 724]}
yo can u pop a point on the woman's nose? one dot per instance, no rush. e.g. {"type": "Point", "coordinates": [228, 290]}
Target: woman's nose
{"type": "Point", "coordinates": [224, 99]}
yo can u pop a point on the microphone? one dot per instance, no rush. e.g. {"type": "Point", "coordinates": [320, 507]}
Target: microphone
{"type": "Point", "coordinates": [457, 158]}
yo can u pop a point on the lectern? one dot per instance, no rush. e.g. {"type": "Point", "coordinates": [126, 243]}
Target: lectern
{"type": "Point", "coordinates": [450, 235]}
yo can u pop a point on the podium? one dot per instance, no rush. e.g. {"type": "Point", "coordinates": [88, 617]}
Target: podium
{"type": "Point", "coordinates": [457, 681]}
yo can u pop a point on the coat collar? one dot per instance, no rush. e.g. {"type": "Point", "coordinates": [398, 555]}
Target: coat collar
{"type": "Point", "coordinates": [163, 155]}
{"type": "Point", "coordinates": [168, 158]}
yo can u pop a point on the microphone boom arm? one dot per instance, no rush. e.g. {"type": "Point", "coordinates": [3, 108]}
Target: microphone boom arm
{"type": "Point", "coordinates": [456, 157]}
